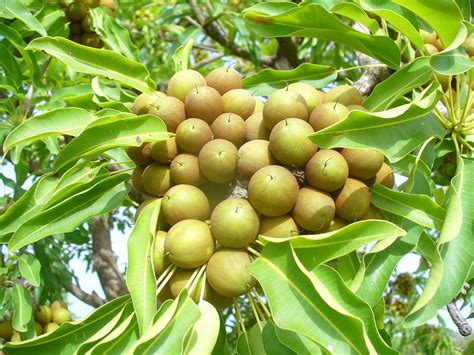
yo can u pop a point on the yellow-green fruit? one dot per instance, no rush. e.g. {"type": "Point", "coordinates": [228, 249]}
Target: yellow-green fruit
{"type": "Point", "coordinates": [38, 328]}
{"type": "Point", "coordinates": [385, 176]}
{"type": "Point", "coordinates": [469, 44]}
{"type": "Point", "coordinates": [372, 213]}
{"type": "Point", "coordinates": [273, 190]}
{"type": "Point", "coordinates": [161, 223]}
{"type": "Point", "coordinates": [216, 192]}
{"type": "Point", "coordinates": [345, 94]}
{"type": "Point", "coordinates": [283, 104]}
{"type": "Point", "coordinates": [205, 103]}
{"type": "Point", "coordinates": [143, 101]}
{"type": "Point", "coordinates": [182, 82]}
{"type": "Point", "coordinates": [336, 224]}
{"type": "Point", "coordinates": [428, 37]}
{"type": "Point", "coordinates": [231, 127]}
{"type": "Point", "coordinates": [140, 155]}
{"type": "Point", "coordinates": [92, 3]}
{"type": "Point", "coordinates": [58, 304]}
{"type": "Point", "coordinates": [137, 181]}
{"type": "Point", "coordinates": [90, 39]}
{"type": "Point", "coordinates": [43, 314]}
{"type": "Point", "coordinates": [184, 202]}
{"type": "Point", "coordinates": [160, 260]}
{"type": "Point", "coordinates": [170, 110]}
{"type": "Point", "coordinates": [327, 114]}
{"type": "Point", "coordinates": [430, 49]}
{"type": "Point", "coordinates": [218, 160]}
{"type": "Point", "coordinates": [290, 144]}
{"type": "Point", "coordinates": [109, 4]}
{"type": "Point", "coordinates": [165, 293]}
{"type": "Point", "coordinates": [234, 223]}
{"type": "Point", "coordinates": [163, 152]}
{"type": "Point", "coordinates": [184, 169]}
{"type": "Point", "coordinates": [189, 243]}
{"type": "Point", "coordinates": [240, 102]}
{"type": "Point", "coordinates": [327, 170]}
{"type": "Point", "coordinates": [50, 327]}
{"type": "Point", "coordinates": [253, 156]}
{"type": "Point", "coordinates": [6, 329]}
{"type": "Point", "coordinates": [61, 315]}
{"type": "Point", "coordinates": [353, 201]}
{"type": "Point", "coordinates": [180, 280]}
{"type": "Point", "coordinates": [255, 127]}
{"type": "Point", "coordinates": [439, 45]}
{"type": "Point", "coordinates": [87, 24]}
{"type": "Point", "coordinates": [278, 227]}
{"type": "Point", "coordinates": [227, 272]}
{"type": "Point", "coordinates": [314, 209]}
{"type": "Point", "coordinates": [224, 80]}
{"type": "Point", "coordinates": [156, 179]}
{"type": "Point", "coordinates": [312, 96]}
{"type": "Point", "coordinates": [192, 135]}
{"type": "Point", "coordinates": [77, 10]}
{"type": "Point", "coordinates": [16, 338]}
{"type": "Point", "coordinates": [216, 299]}
{"type": "Point", "coordinates": [363, 163]}
{"type": "Point", "coordinates": [357, 108]}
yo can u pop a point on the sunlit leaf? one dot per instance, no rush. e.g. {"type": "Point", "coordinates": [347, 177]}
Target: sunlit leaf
{"type": "Point", "coordinates": [22, 307]}
{"type": "Point", "coordinates": [30, 268]}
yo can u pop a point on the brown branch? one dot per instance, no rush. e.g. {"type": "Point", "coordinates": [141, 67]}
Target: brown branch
{"type": "Point", "coordinates": [458, 319]}
{"type": "Point", "coordinates": [207, 61]}
{"type": "Point", "coordinates": [92, 299]}
{"type": "Point", "coordinates": [287, 55]}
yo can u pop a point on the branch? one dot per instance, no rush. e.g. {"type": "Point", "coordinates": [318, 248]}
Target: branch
{"type": "Point", "coordinates": [287, 55]}
{"type": "Point", "coordinates": [207, 61]}
{"type": "Point", "coordinates": [458, 319]}
{"type": "Point", "coordinates": [93, 299]}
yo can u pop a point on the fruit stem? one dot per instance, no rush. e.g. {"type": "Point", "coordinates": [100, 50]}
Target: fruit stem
{"type": "Point", "coordinates": [256, 308]}
{"type": "Point", "coordinates": [238, 315]}
{"type": "Point", "coordinates": [259, 242]}
{"type": "Point", "coordinates": [465, 143]}
{"type": "Point", "coordinates": [253, 251]}
{"type": "Point", "coordinates": [196, 279]}
{"type": "Point", "coordinates": [191, 279]}
{"type": "Point", "coordinates": [255, 313]}
{"type": "Point", "coordinates": [165, 277]}
{"type": "Point", "coordinates": [361, 67]}
{"type": "Point", "coordinates": [203, 287]}
{"type": "Point", "coordinates": [262, 304]}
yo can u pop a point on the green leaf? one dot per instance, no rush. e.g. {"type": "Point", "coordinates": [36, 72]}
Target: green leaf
{"type": "Point", "coordinates": [465, 7]}
{"type": "Point", "coordinates": [204, 333]}
{"type": "Point", "coordinates": [30, 268]}
{"type": "Point", "coordinates": [451, 63]}
{"type": "Point", "coordinates": [140, 275]}
{"type": "Point", "coordinates": [22, 308]}
{"type": "Point", "coordinates": [67, 215]}
{"type": "Point", "coordinates": [327, 246]}
{"type": "Point", "coordinates": [10, 66]}
{"type": "Point", "coordinates": [181, 55]}
{"type": "Point", "coordinates": [272, 344]}
{"type": "Point", "coordinates": [94, 61]}
{"type": "Point", "coordinates": [410, 77]}
{"type": "Point", "coordinates": [347, 266]}
{"type": "Point", "coordinates": [70, 335]}
{"type": "Point", "coordinates": [355, 12]}
{"type": "Point", "coordinates": [111, 132]}
{"type": "Point", "coordinates": [65, 121]}
{"type": "Point", "coordinates": [395, 132]}
{"type": "Point", "coordinates": [420, 209]}
{"type": "Point", "coordinates": [269, 80]}
{"type": "Point", "coordinates": [315, 21]}
{"type": "Point", "coordinates": [21, 12]}
{"type": "Point", "coordinates": [298, 342]}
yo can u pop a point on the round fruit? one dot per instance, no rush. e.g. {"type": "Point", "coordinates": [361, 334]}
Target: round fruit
{"type": "Point", "coordinates": [76, 11]}
{"type": "Point", "coordinates": [384, 176]}
{"type": "Point", "coordinates": [6, 330]}
{"type": "Point", "coordinates": [327, 114]}
{"type": "Point", "coordinates": [240, 102]}
{"type": "Point", "coordinates": [336, 224]}
{"type": "Point", "coordinates": [216, 192]}
{"type": "Point", "coordinates": [289, 142]}
{"type": "Point", "coordinates": [253, 156]}
{"type": "Point", "coordinates": [344, 94]}
{"type": "Point", "coordinates": [363, 163]}
{"type": "Point", "coordinates": [180, 279]}
{"type": "Point", "coordinates": [43, 314]}
{"type": "Point", "coordinates": [353, 201]}
{"type": "Point", "coordinates": [278, 227]}
{"type": "Point", "coordinates": [75, 28]}
{"type": "Point", "coordinates": [327, 170]}
{"type": "Point", "coordinates": [372, 213]}
{"type": "Point", "coordinates": [90, 39]}
{"type": "Point", "coordinates": [428, 37]}
{"type": "Point", "coordinates": [170, 110]}
{"type": "Point", "coordinates": [469, 44]}
{"type": "Point", "coordinates": [165, 293]}
{"type": "Point", "coordinates": [192, 135]}
{"type": "Point", "coordinates": [255, 127]}
{"type": "Point", "coordinates": [218, 160]}
{"type": "Point", "coordinates": [234, 223]}
{"type": "Point", "coordinates": [273, 190]}
{"type": "Point", "coordinates": [50, 327]}
{"type": "Point", "coordinates": [357, 108]}
{"type": "Point", "coordinates": [109, 4]}
{"type": "Point", "coordinates": [216, 299]}
{"type": "Point", "coordinates": [430, 49]}
{"type": "Point", "coordinates": [87, 24]}
{"type": "Point", "coordinates": [58, 304]}
{"type": "Point", "coordinates": [283, 104]}
{"type": "Point", "coordinates": [140, 155]}
{"type": "Point", "coordinates": [16, 338]}
{"type": "Point", "coordinates": [184, 202]}
{"type": "Point", "coordinates": [156, 179]}
{"type": "Point", "coordinates": [227, 272]}
{"type": "Point", "coordinates": [38, 328]}
{"type": "Point", "coordinates": [163, 152]}
{"type": "Point", "coordinates": [224, 80]}
{"type": "Point", "coordinates": [92, 3]}
{"type": "Point", "coordinates": [231, 127]}
{"type": "Point", "coordinates": [205, 103]}
{"type": "Point", "coordinates": [189, 243]}
{"type": "Point", "coordinates": [143, 101]}
{"type": "Point", "coordinates": [309, 93]}
{"type": "Point", "coordinates": [61, 315]}
{"type": "Point", "coordinates": [183, 82]}
{"type": "Point", "coordinates": [314, 209]}
{"type": "Point", "coordinates": [160, 261]}
{"type": "Point", "coordinates": [185, 170]}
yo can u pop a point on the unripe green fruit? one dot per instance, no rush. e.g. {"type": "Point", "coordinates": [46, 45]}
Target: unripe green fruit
{"type": "Point", "coordinates": [140, 155]}
{"type": "Point", "coordinates": [165, 293]}
{"type": "Point", "coordinates": [290, 144]}
{"type": "Point", "coordinates": [372, 213]}
{"type": "Point", "coordinates": [143, 101]}
{"type": "Point", "coordinates": [50, 327]}
{"type": "Point", "coordinates": [218, 160]}
{"type": "Point", "coordinates": [75, 28]}
{"type": "Point", "coordinates": [183, 82]}
{"type": "Point", "coordinates": [180, 279]}
{"type": "Point", "coordinates": [92, 3]}
{"type": "Point", "coordinates": [327, 170]}
{"type": "Point", "coordinates": [253, 156]}
{"type": "Point", "coordinates": [469, 44]}
{"type": "Point", "coordinates": [38, 328]}
{"type": "Point", "coordinates": [156, 179]}
{"type": "Point", "coordinates": [234, 223]}
{"type": "Point", "coordinates": [216, 192]}
{"type": "Point", "coordinates": [185, 170]}
{"type": "Point", "coordinates": [240, 102]}
{"type": "Point", "coordinates": [385, 176]}
{"type": "Point", "coordinates": [6, 330]}
{"type": "Point", "coordinates": [184, 202]}
{"type": "Point", "coordinates": [283, 104]}
{"type": "Point", "coordinates": [363, 163]}
{"type": "Point", "coordinates": [61, 315]}
{"type": "Point", "coordinates": [189, 244]}
{"type": "Point", "coordinates": [327, 114]}
{"type": "Point", "coordinates": [163, 152]}
{"type": "Point", "coordinates": [58, 304]}
{"type": "Point", "coordinates": [224, 80]}
{"type": "Point", "coordinates": [43, 315]}
{"type": "Point", "coordinates": [230, 127]}
{"type": "Point", "coordinates": [87, 24]}
{"type": "Point", "coordinates": [76, 11]}
{"type": "Point", "coordinates": [192, 135]}
{"type": "Point", "coordinates": [108, 4]}
{"type": "Point", "coordinates": [278, 227]}
{"type": "Point", "coordinates": [255, 127]}
{"type": "Point", "coordinates": [353, 201]}
{"type": "Point", "coordinates": [314, 209]}
{"type": "Point", "coordinates": [205, 103]}
{"type": "Point", "coordinates": [273, 190]}
{"type": "Point", "coordinates": [336, 224]}
{"type": "Point", "coordinates": [160, 260]}
{"type": "Point", "coordinates": [345, 95]}
{"type": "Point", "coordinates": [312, 96]}
{"type": "Point", "coordinates": [90, 39]}
{"type": "Point", "coordinates": [170, 110]}
{"type": "Point", "coordinates": [15, 338]}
